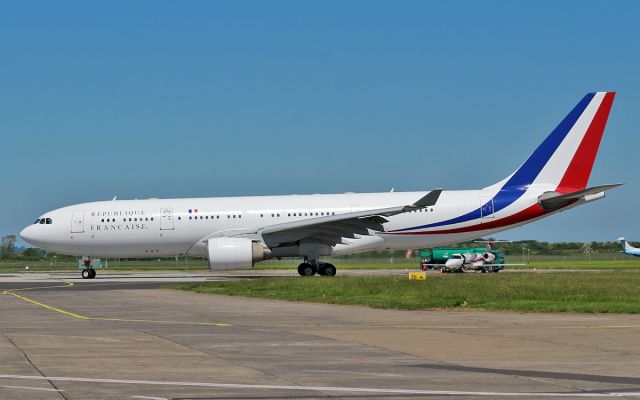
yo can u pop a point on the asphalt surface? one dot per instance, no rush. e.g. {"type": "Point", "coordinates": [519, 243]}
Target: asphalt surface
{"type": "Point", "coordinates": [120, 337]}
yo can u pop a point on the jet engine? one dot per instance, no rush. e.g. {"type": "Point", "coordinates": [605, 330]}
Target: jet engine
{"type": "Point", "coordinates": [489, 258]}
{"type": "Point", "coordinates": [456, 261]}
{"type": "Point", "coordinates": [235, 253]}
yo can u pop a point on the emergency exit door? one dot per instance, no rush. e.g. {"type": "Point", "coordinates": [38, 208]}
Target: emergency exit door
{"type": "Point", "coordinates": [166, 219]}
{"type": "Point", "coordinates": [77, 222]}
{"type": "Point", "coordinates": [486, 207]}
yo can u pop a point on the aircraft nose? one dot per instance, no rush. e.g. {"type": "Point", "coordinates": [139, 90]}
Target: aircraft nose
{"type": "Point", "coordinates": [28, 235]}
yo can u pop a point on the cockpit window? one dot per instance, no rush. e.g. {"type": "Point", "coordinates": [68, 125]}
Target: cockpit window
{"type": "Point", "coordinates": [37, 221]}
{"type": "Point", "coordinates": [42, 221]}
{"type": "Point", "coordinates": [49, 221]}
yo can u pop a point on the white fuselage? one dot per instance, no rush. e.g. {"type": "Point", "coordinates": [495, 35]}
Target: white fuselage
{"type": "Point", "coordinates": [174, 227]}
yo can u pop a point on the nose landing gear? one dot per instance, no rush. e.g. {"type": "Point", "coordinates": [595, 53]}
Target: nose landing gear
{"type": "Point", "coordinates": [88, 272]}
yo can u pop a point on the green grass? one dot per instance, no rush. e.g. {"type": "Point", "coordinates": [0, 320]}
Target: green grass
{"type": "Point", "coordinates": [624, 263]}
{"type": "Point", "coordinates": [602, 292]}
{"type": "Point", "coordinates": [621, 264]}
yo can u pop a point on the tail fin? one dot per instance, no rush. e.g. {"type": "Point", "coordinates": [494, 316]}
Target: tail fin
{"type": "Point", "coordinates": [625, 245]}
{"type": "Point", "coordinates": [565, 158]}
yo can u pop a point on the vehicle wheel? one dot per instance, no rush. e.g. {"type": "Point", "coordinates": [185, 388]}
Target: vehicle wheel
{"type": "Point", "coordinates": [306, 269]}
{"type": "Point", "coordinates": [329, 270]}
{"type": "Point", "coordinates": [86, 274]}
{"type": "Point", "coordinates": [93, 273]}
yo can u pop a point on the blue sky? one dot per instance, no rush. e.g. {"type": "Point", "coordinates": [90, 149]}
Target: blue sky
{"type": "Point", "coordinates": [187, 99]}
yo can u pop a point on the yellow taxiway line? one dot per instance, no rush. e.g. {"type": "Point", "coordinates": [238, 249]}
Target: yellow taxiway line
{"type": "Point", "coordinates": [83, 317]}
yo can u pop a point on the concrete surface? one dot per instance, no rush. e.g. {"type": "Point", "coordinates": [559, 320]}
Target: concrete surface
{"type": "Point", "coordinates": [123, 339]}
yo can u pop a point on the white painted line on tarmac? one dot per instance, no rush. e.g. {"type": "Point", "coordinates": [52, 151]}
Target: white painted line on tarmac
{"type": "Point", "coordinates": [342, 372]}
{"type": "Point", "coordinates": [317, 388]}
{"type": "Point", "coordinates": [149, 397]}
{"type": "Point", "coordinates": [30, 388]}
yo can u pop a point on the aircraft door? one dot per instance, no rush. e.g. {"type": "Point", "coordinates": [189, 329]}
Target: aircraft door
{"type": "Point", "coordinates": [486, 207]}
{"type": "Point", "coordinates": [77, 222]}
{"type": "Point", "coordinates": [166, 219]}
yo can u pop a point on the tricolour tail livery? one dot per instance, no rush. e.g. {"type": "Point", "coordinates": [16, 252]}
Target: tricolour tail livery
{"type": "Point", "coordinates": [553, 177]}
{"type": "Point", "coordinates": [565, 158]}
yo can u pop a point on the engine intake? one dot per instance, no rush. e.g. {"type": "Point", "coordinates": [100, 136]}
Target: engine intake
{"type": "Point", "coordinates": [235, 253]}
{"type": "Point", "coordinates": [489, 257]}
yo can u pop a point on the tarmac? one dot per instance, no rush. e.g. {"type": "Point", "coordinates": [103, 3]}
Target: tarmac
{"type": "Point", "coordinates": [121, 337]}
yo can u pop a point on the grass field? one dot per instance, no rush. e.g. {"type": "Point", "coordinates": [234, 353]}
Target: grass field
{"type": "Point", "coordinates": [624, 263]}
{"type": "Point", "coordinates": [602, 292]}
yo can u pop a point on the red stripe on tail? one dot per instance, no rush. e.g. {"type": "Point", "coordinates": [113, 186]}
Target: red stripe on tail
{"type": "Point", "coordinates": [577, 175]}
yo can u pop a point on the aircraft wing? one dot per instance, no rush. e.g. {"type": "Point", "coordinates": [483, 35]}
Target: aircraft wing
{"type": "Point", "coordinates": [332, 229]}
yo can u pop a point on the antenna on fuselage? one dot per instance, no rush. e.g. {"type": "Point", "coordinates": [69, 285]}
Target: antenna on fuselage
{"type": "Point", "coordinates": [114, 198]}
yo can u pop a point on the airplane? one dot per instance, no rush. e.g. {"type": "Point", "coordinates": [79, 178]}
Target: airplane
{"type": "Point", "coordinates": [237, 232]}
{"type": "Point", "coordinates": [628, 249]}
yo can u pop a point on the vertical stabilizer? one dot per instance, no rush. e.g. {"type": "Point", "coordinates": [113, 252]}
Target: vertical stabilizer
{"type": "Point", "coordinates": [565, 158]}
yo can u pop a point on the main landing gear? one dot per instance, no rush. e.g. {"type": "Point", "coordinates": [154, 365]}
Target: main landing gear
{"type": "Point", "coordinates": [310, 268]}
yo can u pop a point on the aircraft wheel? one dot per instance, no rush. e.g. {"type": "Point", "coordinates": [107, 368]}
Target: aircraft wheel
{"type": "Point", "coordinates": [322, 269]}
{"type": "Point", "coordinates": [329, 270]}
{"type": "Point", "coordinates": [306, 269]}
{"type": "Point", "coordinates": [86, 273]}
{"type": "Point", "coordinates": [93, 273]}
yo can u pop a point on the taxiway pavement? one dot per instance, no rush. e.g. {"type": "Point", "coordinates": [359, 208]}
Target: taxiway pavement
{"type": "Point", "coordinates": [122, 338]}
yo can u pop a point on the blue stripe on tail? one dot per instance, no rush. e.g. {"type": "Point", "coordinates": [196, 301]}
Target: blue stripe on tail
{"type": "Point", "coordinates": [517, 185]}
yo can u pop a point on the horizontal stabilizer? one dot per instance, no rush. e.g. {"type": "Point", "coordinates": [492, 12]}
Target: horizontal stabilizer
{"type": "Point", "coordinates": [555, 200]}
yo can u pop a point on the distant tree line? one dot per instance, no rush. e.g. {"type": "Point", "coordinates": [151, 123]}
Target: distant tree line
{"type": "Point", "coordinates": [8, 252]}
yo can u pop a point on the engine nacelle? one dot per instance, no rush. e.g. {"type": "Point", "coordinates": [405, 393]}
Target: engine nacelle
{"type": "Point", "coordinates": [489, 257]}
{"type": "Point", "coordinates": [235, 253]}
{"type": "Point", "coordinates": [456, 261]}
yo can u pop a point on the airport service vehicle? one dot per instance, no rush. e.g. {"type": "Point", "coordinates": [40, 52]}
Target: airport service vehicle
{"type": "Point", "coordinates": [628, 249]}
{"type": "Point", "coordinates": [236, 232]}
{"type": "Point", "coordinates": [462, 259]}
